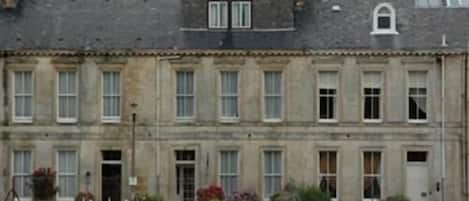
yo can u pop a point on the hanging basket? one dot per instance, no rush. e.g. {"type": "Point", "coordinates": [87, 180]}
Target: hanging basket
{"type": "Point", "coordinates": [44, 184]}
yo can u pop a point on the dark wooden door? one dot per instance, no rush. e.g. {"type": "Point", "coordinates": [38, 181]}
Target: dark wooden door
{"type": "Point", "coordinates": [111, 182]}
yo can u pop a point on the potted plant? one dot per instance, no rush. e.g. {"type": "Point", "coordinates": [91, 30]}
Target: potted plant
{"type": "Point", "coordinates": [243, 196]}
{"type": "Point", "coordinates": [43, 180]}
{"type": "Point", "coordinates": [84, 196]}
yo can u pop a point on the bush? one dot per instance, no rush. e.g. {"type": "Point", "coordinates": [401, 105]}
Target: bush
{"type": "Point", "coordinates": [312, 193]}
{"type": "Point", "coordinates": [243, 196]}
{"type": "Point", "coordinates": [148, 197]}
{"type": "Point", "coordinates": [211, 193]}
{"type": "Point", "coordinates": [84, 196]}
{"type": "Point", "coordinates": [397, 198]}
{"type": "Point", "coordinates": [304, 193]}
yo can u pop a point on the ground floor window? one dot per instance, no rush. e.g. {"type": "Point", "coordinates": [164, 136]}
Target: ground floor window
{"type": "Point", "coordinates": [22, 170]}
{"type": "Point", "coordinates": [328, 172]}
{"type": "Point", "coordinates": [272, 172]}
{"type": "Point", "coordinates": [229, 171]}
{"type": "Point", "coordinates": [67, 174]}
{"type": "Point", "coordinates": [372, 175]}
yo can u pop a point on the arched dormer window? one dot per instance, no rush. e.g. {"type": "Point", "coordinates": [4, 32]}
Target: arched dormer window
{"type": "Point", "coordinates": [384, 20]}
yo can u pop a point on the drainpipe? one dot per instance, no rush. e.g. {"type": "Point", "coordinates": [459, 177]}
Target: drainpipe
{"type": "Point", "coordinates": [158, 88]}
{"type": "Point", "coordinates": [465, 136]}
{"type": "Point", "coordinates": [443, 132]}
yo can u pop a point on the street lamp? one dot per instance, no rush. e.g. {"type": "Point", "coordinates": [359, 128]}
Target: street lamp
{"type": "Point", "coordinates": [133, 178]}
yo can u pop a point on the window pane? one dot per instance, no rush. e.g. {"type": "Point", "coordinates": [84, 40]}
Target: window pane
{"type": "Point", "coordinates": [22, 172]}
{"type": "Point", "coordinates": [229, 171]}
{"type": "Point", "coordinates": [372, 187]}
{"type": "Point", "coordinates": [384, 22]}
{"type": "Point", "coordinates": [67, 173]}
{"type": "Point", "coordinates": [229, 82]}
{"type": "Point", "coordinates": [328, 80]}
{"type": "Point", "coordinates": [111, 94]}
{"type": "Point", "coordinates": [184, 93]}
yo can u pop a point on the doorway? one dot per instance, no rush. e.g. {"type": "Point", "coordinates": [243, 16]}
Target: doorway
{"type": "Point", "coordinates": [417, 176]}
{"type": "Point", "coordinates": [111, 173]}
{"type": "Point", "coordinates": [185, 175]}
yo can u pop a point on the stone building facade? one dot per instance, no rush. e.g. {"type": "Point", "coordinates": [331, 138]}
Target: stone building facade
{"type": "Point", "coordinates": [311, 92]}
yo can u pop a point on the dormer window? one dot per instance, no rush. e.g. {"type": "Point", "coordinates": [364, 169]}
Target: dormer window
{"type": "Point", "coordinates": [241, 14]}
{"type": "Point", "coordinates": [238, 11]}
{"type": "Point", "coordinates": [217, 14]}
{"type": "Point", "coordinates": [384, 20]}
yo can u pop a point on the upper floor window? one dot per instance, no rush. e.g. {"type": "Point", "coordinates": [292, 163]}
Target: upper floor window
{"type": "Point", "coordinates": [417, 96]}
{"type": "Point", "coordinates": [217, 14]}
{"type": "Point", "coordinates": [241, 14]}
{"type": "Point", "coordinates": [111, 102]}
{"type": "Point", "coordinates": [441, 3]}
{"type": "Point", "coordinates": [184, 94]}
{"type": "Point", "coordinates": [229, 95]}
{"type": "Point", "coordinates": [272, 95]}
{"type": "Point", "coordinates": [23, 96]}
{"type": "Point", "coordinates": [371, 84]}
{"type": "Point", "coordinates": [219, 10]}
{"type": "Point", "coordinates": [328, 96]}
{"type": "Point", "coordinates": [384, 19]}
{"type": "Point", "coordinates": [67, 96]}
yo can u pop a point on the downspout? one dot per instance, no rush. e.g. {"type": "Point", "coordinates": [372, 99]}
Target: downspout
{"type": "Point", "coordinates": [157, 126]}
{"type": "Point", "coordinates": [465, 136]}
{"type": "Point", "coordinates": [443, 131]}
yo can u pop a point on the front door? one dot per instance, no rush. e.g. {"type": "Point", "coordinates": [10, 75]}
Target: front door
{"type": "Point", "coordinates": [417, 176]}
{"type": "Point", "coordinates": [185, 175]}
{"type": "Point", "coordinates": [111, 176]}
{"type": "Point", "coordinates": [185, 182]}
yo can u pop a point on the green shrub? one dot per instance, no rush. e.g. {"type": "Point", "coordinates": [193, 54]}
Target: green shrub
{"type": "Point", "coordinates": [312, 193]}
{"type": "Point", "coordinates": [397, 198]}
{"type": "Point", "coordinates": [148, 197]}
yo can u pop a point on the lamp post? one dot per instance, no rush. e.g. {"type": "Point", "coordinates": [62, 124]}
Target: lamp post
{"type": "Point", "coordinates": [133, 179]}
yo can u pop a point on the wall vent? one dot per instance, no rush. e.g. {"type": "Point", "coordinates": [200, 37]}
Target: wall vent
{"type": "Point", "coordinates": [9, 3]}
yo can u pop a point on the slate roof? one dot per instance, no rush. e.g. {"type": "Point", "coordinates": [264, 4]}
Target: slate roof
{"type": "Point", "coordinates": [158, 24]}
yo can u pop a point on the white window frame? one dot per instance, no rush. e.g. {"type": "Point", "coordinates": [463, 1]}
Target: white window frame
{"type": "Point", "coordinates": [392, 15]}
{"type": "Point", "coordinates": [237, 174]}
{"type": "Point", "coordinates": [363, 175]}
{"type": "Point", "coordinates": [75, 174]}
{"type": "Point", "coordinates": [380, 96]}
{"type": "Point", "coordinates": [417, 121]}
{"type": "Point", "coordinates": [241, 4]}
{"type": "Point", "coordinates": [337, 179]}
{"type": "Point", "coordinates": [228, 119]}
{"type": "Point", "coordinates": [219, 17]}
{"type": "Point", "coordinates": [265, 95]}
{"type": "Point", "coordinates": [61, 119]}
{"type": "Point", "coordinates": [336, 96]}
{"type": "Point", "coordinates": [111, 119]}
{"type": "Point", "coordinates": [14, 174]}
{"type": "Point", "coordinates": [448, 4]}
{"type": "Point", "coordinates": [264, 174]}
{"type": "Point", "coordinates": [22, 119]}
{"type": "Point", "coordinates": [186, 118]}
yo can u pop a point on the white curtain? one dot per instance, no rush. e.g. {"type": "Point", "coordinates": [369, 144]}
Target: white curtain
{"type": "Point", "coordinates": [417, 94]}
{"type": "Point", "coordinates": [67, 173]}
{"type": "Point", "coordinates": [184, 93]}
{"type": "Point", "coordinates": [236, 14]}
{"type": "Point", "coordinates": [111, 94]}
{"type": "Point", "coordinates": [67, 95]}
{"type": "Point", "coordinates": [22, 173]}
{"type": "Point", "coordinates": [372, 80]}
{"type": "Point", "coordinates": [272, 172]}
{"type": "Point", "coordinates": [328, 80]}
{"type": "Point", "coordinates": [273, 94]}
{"type": "Point", "coordinates": [229, 82]}
{"type": "Point", "coordinates": [23, 94]}
{"type": "Point", "coordinates": [229, 171]}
